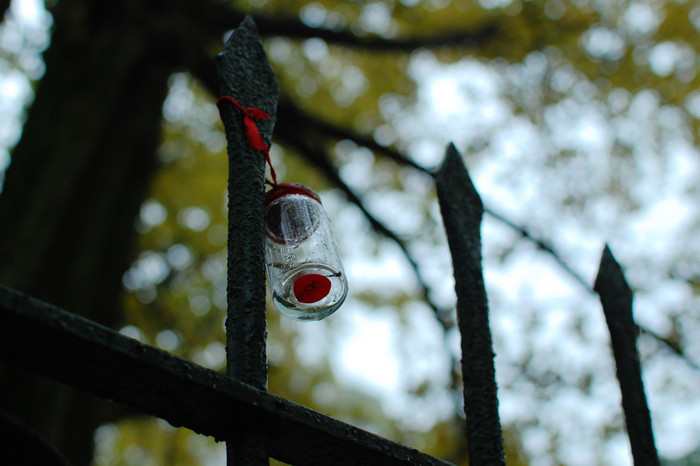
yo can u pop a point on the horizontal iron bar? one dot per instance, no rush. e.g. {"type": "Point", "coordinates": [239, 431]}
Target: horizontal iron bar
{"type": "Point", "coordinates": [99, 360]}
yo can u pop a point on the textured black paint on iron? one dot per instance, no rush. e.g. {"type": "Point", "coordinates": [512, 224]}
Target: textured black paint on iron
{"type": "Point", "coordinates": [616, 298]}
{"type": "Point", "coordinates": [245, 75]}
{"type": "Point", "coordinates": [33, 447]}
{"type": "Point", "coordinates": [96, 359]}
{"type": "Point", "coordinates": [462, 211]}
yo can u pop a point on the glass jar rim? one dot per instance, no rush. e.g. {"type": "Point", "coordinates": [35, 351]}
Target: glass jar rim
{"type": "Point", "coordinates": [286, 189]}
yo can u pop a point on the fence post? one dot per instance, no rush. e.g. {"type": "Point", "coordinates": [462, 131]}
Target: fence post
{"type": "Point", "coordinates": [246, 76]}
{"type": "Point", "coordinates": [616, 298]}
{"type": "Point", "coordinates": [462, 211]}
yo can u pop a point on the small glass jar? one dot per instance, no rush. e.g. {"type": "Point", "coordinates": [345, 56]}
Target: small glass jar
{"type": "Point", "coordinates": [306, 276]}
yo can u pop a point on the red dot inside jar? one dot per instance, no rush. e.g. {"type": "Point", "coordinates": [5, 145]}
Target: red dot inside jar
{"type": "Point", "coordinates": [311, 288]}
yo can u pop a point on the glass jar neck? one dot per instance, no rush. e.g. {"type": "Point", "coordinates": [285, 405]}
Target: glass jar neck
{"type": "Point", "coordinates": [285, 189]}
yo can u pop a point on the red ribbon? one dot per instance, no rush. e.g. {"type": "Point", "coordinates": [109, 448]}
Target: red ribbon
{"type": "Point", "coordinates": [250, 115]}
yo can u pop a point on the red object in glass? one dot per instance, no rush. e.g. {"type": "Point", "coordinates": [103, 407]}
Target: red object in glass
{"type": "Point", "coordinates": [306, 277]}
{"type": "Point", "coordinates": [311, 288]}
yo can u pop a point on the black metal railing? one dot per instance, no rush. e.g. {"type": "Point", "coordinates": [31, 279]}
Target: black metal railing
{"type": "Point", "coordinates": [236, 407]}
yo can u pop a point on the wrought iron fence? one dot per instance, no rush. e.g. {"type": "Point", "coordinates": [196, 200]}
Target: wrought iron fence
{"type": "Point", "coordinates": [235, 407]}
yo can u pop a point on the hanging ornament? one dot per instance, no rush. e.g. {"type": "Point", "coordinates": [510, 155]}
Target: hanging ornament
{"type": "Point", "coordinates": [306, 277]}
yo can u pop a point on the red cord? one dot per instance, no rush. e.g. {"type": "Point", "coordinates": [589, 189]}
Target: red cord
{"type": "Point", "coordinates": [252, 132]}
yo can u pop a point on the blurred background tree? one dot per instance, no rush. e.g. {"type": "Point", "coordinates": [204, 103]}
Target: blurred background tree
{"type": "Point", "coordinates": [580, 124]}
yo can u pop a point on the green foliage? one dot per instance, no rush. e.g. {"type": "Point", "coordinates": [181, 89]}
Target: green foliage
{"type": "Point", "coordinates": [178, 284]}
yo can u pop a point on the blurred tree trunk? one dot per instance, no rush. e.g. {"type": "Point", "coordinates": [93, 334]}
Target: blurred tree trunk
{"type": "Point", "coordinates": [74, 187]}
{"type": "Point", "coordinates": [4, 6]}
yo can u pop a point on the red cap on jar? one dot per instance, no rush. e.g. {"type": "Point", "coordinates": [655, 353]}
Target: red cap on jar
{"type": "Point", "coordinates": [285, 189]}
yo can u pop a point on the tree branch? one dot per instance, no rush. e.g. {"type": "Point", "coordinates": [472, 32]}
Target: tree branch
{"type": "Point", "coordinates": [34, 448]}
{"type": "Point", "coordinates": [4, 6]}
{"type": "Point", "coordinates": [200, 66]}
{"type": "Point", "coordinates": [341, 132]}
{"type": "Point", "coordinates": [671, 345]}
{"type": "Point", "coordinates": [291, 123]}
{"type": "Point", "coordinates": [295, 29]}
{"type": "Point", "coordinates": [542, 245]}
{"type": "Point", "coordinates": [217, 17]}
{"type": "Point", "coordinates": [305, 119]}
{"type": "Point", "coordinates": [297, 136]}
